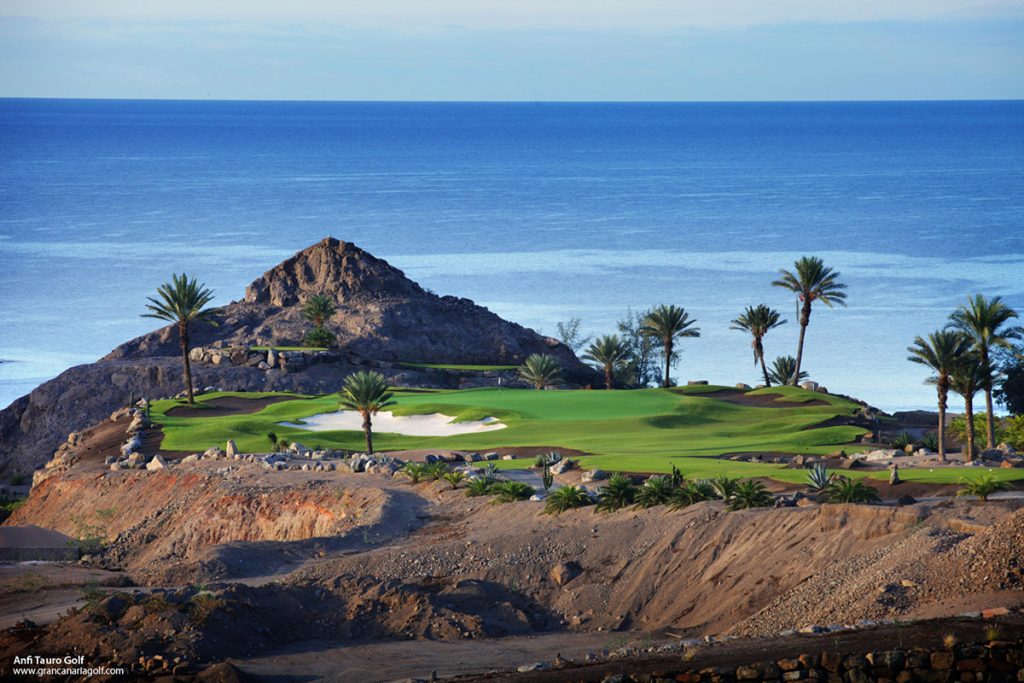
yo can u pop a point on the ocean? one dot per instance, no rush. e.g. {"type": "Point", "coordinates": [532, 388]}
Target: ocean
{"type": "Point", "coordinates": [539, 211]}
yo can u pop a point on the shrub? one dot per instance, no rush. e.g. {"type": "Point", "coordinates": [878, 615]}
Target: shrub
{"type": "Point", "coordinates": [19, 478]}
{"type": "Point", "coordinates": [547, 459]}
{"type": "Point", "coordinates": [902, 440]}
{"type": "Point", "coordinates": [676, 477]}
{"type": "Point", "coordinates": [453, 478]}
{"type": "Point", "coordinates": [818, 477]}
{"type": "Point", "coordinates": [8, 505]}
{"type": "Point", "coordinates": [724, 486]}
{"type": "Point", "coordinates": [846, 490]}
{"type": "Point", "coordinates": [541, 370]}
{"type": "Point", "coordinates": [415, 471]}
{"type": "Point", "coordinates": [689, 493]}
{"type": "Point", "coordinates": [318, 337]}
{"type": "Point", "coordinates": [749, 493]}
{"type": "Point", "coordinates": [930, 440]}
{"type": "Point", "coordinates": [435, 470]}
{"type": "Point", "coordinates": [479, 487]}
{"type": "Point", "coordinates": [958, 428]}
{"type": "Point", "coordinates": [982, 486]}
{"type": "Point", "coordinates": [511, 491]}
{"type": "Point", "coordinates": [617, 493]}
{"type": "Point", "coordinates": [657, 490]}
{"type": "Point", "coordinates": [1013, 432]}
{"type": "Point", "coordinates": [548, 478]}
{"type": "Point", "coordinates": [491, 472]}
{"type": "Point", "coordinates": [566, 498]}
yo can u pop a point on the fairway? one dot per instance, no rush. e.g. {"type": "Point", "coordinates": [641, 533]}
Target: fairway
{"type": "Point", "coordinates": [646, 430]}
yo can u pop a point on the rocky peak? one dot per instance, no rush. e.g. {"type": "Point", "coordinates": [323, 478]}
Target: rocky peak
{"type": "Point", "coordinates": [333, 268]}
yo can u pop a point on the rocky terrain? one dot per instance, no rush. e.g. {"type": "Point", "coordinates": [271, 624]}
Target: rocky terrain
{"type": "Point", "coordinates": [230, 560]}
{"type": "Point", "coordinates": [383, 319]}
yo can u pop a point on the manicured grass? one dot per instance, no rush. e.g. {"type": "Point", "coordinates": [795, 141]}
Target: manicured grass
{"type": "Point", "coordinates": [647, 430]}
{"type": "Point", "coordinates": [288, 348]}
{"type": "Point", "coordinates": [475, 368]}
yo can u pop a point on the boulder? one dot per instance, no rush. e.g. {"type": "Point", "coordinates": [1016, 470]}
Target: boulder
{"type": "Point", "coordinates": [562, 466]}
{"type": "Point", "coordinates": [213, 452]}
{"type": "Point", "coordinates": [298, 449]}
{"type": "Point", "coordinates": [196, 355]}
{"type": "Point", "coordinates": [905, 499]}
{"type": "Point", "coordinates": [490, 456]}
{"type": "Point", "coordinates": [697, 383]}
{"type": "Point", "coordinates": [992, 454]}
{"type": "Point", "coordinates": [157, 463]}
{"type": "Point", "coordinates": [594, 475]}
{"type": "Point", "coordinates": [191, 458]}
{"type": "Point", "coordinates": [743, 387]}
{"type": "Point", "coordinates": [231, 450]}
{"type": "Point", "coordinates": [809, 385]}
{"type": "Point", "coordinates": [508, 457]}
{"type": "Point", "coordinates": [881, 454]}
{"type": "Point", "coordinates": [564, 572]}
{"type": "Point", "coordinates": [1006, 448]}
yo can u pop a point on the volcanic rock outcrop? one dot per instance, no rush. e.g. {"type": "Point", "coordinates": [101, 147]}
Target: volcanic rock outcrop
{"type": "Point", "coordinates": [383, 319]}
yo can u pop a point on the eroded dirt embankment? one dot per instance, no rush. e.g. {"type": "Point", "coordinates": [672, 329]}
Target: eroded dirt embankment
{"type": "Point", "coordinates": [185, 524]}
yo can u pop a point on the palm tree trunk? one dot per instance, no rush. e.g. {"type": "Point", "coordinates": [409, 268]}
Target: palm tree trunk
{"type": "Point", "coordinates": [183, 340]}
{"type": "Point", "coordinates": [668, 360]}
{"type": "Point", "coordinates": [368, 433]}
{"type": "Point", "coordinates": [608, 376]}
{"type": "Point", "coordinates": [986, 384]}
{"type": "Point", "coordinates": [759, 350]}
{"type": "Point", "coordinates": [805, 318]}
{"type": "Point", "coordinates": [969, 416]}
{"type": "Point", "coordinates": [942, 424]}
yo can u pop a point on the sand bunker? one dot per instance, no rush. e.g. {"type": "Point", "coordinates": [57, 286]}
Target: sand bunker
{"type": "Point", "coordinates": [435, 424]}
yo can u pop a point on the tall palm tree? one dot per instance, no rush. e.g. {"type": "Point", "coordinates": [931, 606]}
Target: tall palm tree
{"type": "Point", "coordinates": [368, 393]}
{"type": "Point", "coordinates": [182, 301]}
{"type": "Point", "coordinates": [943, 351]}
{"type": "Point", "coordinates": [985, 322]}
{"type": "Point", "coordinates": [666, 323]}
{"type": "Point", "coordinates": [812, 281]}
{"type": "Point", "coordinates": [784, 370]}
{"type": "Point", "coordinates": [608, 352]}
{"type": "Point", "coordinates": [541, 370]}
{"type": "Point", "coordinates": [758, 320]}
{"type": "Point", "coordinates": [967, 380]}
{"type": "Point", "coordinates": [318, 309]}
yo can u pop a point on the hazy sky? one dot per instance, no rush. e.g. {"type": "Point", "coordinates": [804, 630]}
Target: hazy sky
{"type": "Point", "coordinates": [513, 50]}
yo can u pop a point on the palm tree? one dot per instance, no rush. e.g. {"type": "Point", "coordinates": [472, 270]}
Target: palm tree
{"type": "Point", "coordinates": [758, 320]}
{"type": "Point", "coordinates": [784, 370]}
{"type": "Point", "coordinates": [811, 280]}
{"type": "Point", "coordinates": [985, 322]}
{"type": "Point", "coordinates": [966, 380]}
{"type": "Point", "coordinates": [181, 302]}
{"type": "Point", "coordinates": [943, 351]}
{"type": "Point", "coordinates": [318, 309]}
{"type": "Point", "coordinates": [368, 393]}
{"type": "Point", "coordinates": [668, 323]}
{"type": "Point", "coordinates": [608, 352]}
{"type": "Point", "coordinates": [541, 370]}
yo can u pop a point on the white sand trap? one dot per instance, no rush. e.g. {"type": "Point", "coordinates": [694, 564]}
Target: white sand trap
{"type": "Point", "coordinates": [435, 424]}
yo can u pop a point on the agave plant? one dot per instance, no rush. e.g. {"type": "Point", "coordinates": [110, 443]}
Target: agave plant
{"type": "Point", "coordinates": [491, 472]}
{"type": "Point", "coordinates": [724, 486]}
{"type": "Point", "coordinates": [479, 487]}
{"type": "Point", "coordinates": [566, 498]}
{"type": "Point", "coordinates": [511, 491]}
{"type": "Point", "coordinates": [982, 486]}
{"type": "Point", "coordinates": [749, 493]}
{"type": "Point", "coordinates": [689, 493]}
{"type": "Point", "coordinates": [818, 477]}
{"type": "Point", "coordinates": [930, 440]}
{"type": "Point", "coordinates": [415, 471]}
{"type": "Point", "coordinates": [846, 490]}
{"type": "Point", "coordinates": [657, 490]}
{"type": "Point", "coordinates": [547, 459]}
{"type": "Point", "coordinates": [902, 440]}
{"type": "Point", "coordinates": [454, 478]}
{"type": "Point", "coordinates": [617, 493]}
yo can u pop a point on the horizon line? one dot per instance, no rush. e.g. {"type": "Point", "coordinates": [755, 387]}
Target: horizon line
{"type": "Point", "coordinates": [509, 101]}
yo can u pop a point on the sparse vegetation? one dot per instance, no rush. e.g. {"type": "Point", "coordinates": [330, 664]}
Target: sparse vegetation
{"type": "Point", "coordinates": [566, 498]}
{"type": "Point", "coordinates": [688, 493]}
{"type": "Point", "coordinates": [454, 478]}
{"type": "Point", "coordinates": [657, 490]}
{"type": "Point", "coordinates": [479, 487]}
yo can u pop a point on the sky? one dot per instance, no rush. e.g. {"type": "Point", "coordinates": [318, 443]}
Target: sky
{"type": "Point", "coordinates": [604, 50]}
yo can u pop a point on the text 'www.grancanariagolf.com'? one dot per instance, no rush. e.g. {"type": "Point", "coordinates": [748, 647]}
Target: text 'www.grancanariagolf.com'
{"type": "Point", "coordinates": [72, 665]}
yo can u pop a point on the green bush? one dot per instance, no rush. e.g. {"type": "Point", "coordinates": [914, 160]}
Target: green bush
{"type": "Point", "coordinates": [958, 428]}
{"type": "Point", "coordinates": [415, 471]}
{"type": "Point", "coordinates": [930, 440]}
{"type": "Point", "coordinates": [688, 493]}
{"type": "Point", "coordinates": [902, 440]}
{"type": "Point", "coordinates": [479, 487]}
{"type": "Point", "coordinates": [617, 493]}
{"type": "Point", "coordinates": [846, 490]}
{"type": "Point", "coordinates": [318, 337]}
{"type": "Point", "coordinates": [1013, 431]}
{"type": "Point", "coordinates": [435, 470]}
{"type": "Point", "coordinates": [982, 486]}
{"type": "Point", "coordinates": [657, 490]}
{"type": "Point", "coordinates": [724, 486]}
{"type": "Point", "coordinates": [453, 478]}
{"type": "Point", "coordinates": [818, 477]}
{"type": "Point", "coordinates": [749, 493]}
{"type": "Point", "coordinates": [566, 498]}
{"type": "Point", "coordinates": [511, 491]}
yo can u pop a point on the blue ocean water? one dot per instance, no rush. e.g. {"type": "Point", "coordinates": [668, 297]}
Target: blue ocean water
{"type": "Point", "coordinates": [538, 211]}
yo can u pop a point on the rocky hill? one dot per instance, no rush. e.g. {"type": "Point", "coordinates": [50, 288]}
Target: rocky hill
{"type": "Point", "coordinates": [383, 319]}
